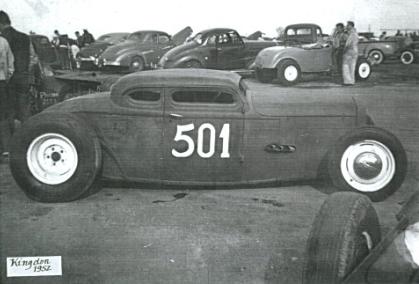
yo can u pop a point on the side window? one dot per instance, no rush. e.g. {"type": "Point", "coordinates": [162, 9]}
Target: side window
{"type": "Point", "coordinates": [144, 96]}
{"type": "Point", "coordinates": [163, 39]}
{"type": "Point", "coordinates": [235, 38]}
{"type": "Point", "coordinates": [290, 32]}
{"type": "Point", "coordinates": [224, 39]}
{"type": "Point", "coordinates": [319, 33]}
{"type": "Point", "coordinates": [202, 97]}
{"type": "Point", "coordinates": [211, 40]}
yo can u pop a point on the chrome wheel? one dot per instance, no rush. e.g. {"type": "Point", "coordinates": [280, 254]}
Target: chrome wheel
{"type": "Point", "coordinates": [376, 57]}
{"type": "Point", "coordinates": [291, 73]}
{"type": "Point", "coordinates": [368, 166]}
{"type": "Point", "coordinates": [52, 158]}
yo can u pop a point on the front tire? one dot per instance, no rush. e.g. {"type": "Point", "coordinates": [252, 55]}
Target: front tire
{"type": "Point", "coordinates": [407, 57]}
{"type": "Point", "coordinates": [343, 233]}
{"type": "Point", "coordinates": [376, 57]}
{"type": "Point", "coordinates": [137, 64]}
{"type": "Point", "coordinates": [289, 72]}
{"type": "Point", "coordinates": [55, 157]}
{"type": "Point", "coordinates": [363, 69]}
{"type": "Point", "coordinates": [370, 161]}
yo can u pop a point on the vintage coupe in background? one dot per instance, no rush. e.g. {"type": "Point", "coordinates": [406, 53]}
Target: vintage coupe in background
{"type": "Point", "coordinates": [345, 244]}
{"type": "Point", "coordinates": [201, 127]}
{"type": "Point", "coordinates": [88, 56]}
{"type": "Point", "coordinates": [220, 48]}
{"type": "Point", "coordinates": [142, 50]}
{"type": "Point", "coordinates": [288, 63]}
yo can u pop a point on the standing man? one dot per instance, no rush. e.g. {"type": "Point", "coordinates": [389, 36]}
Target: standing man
{"type": "Point", "coordinates": [339, 40]}
{"type": "Point", "coordinates": [350, 55]}
{"type": "Point", "coordinates": [6, 72]}
{"type": "Point", "coordinates": [18, 86]}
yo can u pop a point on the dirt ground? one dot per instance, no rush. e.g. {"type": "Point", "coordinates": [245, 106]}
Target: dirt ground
{"type": "Point", "coordinates": [256, 235]}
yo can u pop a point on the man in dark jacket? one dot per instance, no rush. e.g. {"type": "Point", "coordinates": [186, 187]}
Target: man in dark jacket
{"type": "Point", "coordinates": [19, 83]}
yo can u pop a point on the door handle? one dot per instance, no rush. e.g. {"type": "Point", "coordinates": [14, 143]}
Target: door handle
{"type": "Point", "coordinates": [175, 115]}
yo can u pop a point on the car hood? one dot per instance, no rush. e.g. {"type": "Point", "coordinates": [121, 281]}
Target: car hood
{"type": "Point", "coordinates": [125, 47]}
{"type": "Point", "coordinates": [181, 48]}
{"type": "Point", "coordinates": [302, 102]}
{"type": "Point", "coordinates": [95, 49]}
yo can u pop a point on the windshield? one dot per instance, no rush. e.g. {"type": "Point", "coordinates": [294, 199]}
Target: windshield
{"type": "Point", "coordinates": [141, 37]}
{"type": "Point", "coordinates": [199, 38]}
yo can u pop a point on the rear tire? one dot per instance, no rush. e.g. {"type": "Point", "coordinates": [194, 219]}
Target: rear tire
{"type": "Point", "coordinates": [55, 157]}
{"type": "Point", "coordinates": [137, 64]}
{"type": "Point", "coordinates": [289, 72]}
{"type": "Point", "coordinates": [370, 161]}
{"type": "Point", "coordinates": [407, 57]}
{"type": "Point", "coordinates": [344, 231]}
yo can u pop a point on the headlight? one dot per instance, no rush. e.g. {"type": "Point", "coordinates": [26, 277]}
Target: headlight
{"type": "Point", "coordinates": [411, 239]}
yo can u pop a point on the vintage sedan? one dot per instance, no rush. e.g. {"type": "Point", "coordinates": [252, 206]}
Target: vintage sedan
{"type": "Point", "coordinates": [345, 243]}
{"type": "Point", "coordinates": [142, 50]}
{"type": "Point", "coordinates": [87, 58]}
{"type": "Point", "coordinates": [198, 127]}
{"type": "Point", "coordinates": [288, 63]}
{"type": "Point", "coordinates": [220, 48]}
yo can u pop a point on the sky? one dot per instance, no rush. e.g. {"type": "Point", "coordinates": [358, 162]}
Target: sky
{"type": "Point", "coordinates": [100, 16]}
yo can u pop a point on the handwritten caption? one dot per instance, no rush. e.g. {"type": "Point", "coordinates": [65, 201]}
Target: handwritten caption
{"type": "Point", "coordinates": [34, 266]}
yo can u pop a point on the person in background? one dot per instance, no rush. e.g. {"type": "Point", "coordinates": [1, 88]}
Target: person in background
{"type": "Point", "coordinates": [338, 43]}
{"type": "Point", "coordinates": [79, 39]}
{"type": "Point", "coordinates": [56, 39]}
{"type": "Point", "coordinates": [6, 72]}
{"type": "Point", "coordinates": [18, 86]}
{"type": "Point", "coordinates": [350, 55]}
{"type": "Point", "coordinates": [87, 37]}
{"type": "Point", "coordinates": [383, 35]}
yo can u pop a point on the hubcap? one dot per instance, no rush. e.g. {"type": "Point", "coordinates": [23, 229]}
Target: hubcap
{"type": "Point", "coordinates": [364, 70]}
{"type": "Point", "coordinates": [291, 73]}
{"type": "Point", "coordinates": [376, 57]}
{"type": "Point", "coordinates": [52, 158]}
{"type": "Point", "coordinates": [368, 166]}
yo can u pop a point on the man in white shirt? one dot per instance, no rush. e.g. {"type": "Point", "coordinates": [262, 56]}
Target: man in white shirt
{"type": "Point", "coordinates": [350, 55]}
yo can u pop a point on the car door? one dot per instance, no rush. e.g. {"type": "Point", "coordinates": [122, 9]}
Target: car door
{"type": "Point", "coordinates": [135, 132]}
{"type": "Point", "coordinates": [163, 45]}
{"type": "Point", "coordinates": [203, 131]}
{"type": "Point", "coordinates": [230, 51]}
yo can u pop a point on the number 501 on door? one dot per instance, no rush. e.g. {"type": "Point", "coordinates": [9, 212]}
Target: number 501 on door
{"type": "Point", "coordinates": [204, 129]}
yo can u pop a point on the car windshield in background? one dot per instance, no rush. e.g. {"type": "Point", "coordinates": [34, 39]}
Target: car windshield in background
{"type": "Point", "coordinates": [112, 39]}
{"type": "Point", "coordinates": [199, 38]}
{"type": "Point", "coordinates": [140, 37]}
{"type": "Point", "coordinates": [104, 38]}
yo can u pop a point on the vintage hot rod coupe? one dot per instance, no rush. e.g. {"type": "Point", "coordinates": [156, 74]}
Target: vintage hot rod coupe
{"type": "Point", "coordinates": [142, 50]}
{"type": "Point", "coordinates": [287, 63]}
{"type": "Point", "coordinates": [220, 48]}
{"type": "Point", "coordinates": [203, 128]}
{"type": "Point", "coordinates": [345, 244]}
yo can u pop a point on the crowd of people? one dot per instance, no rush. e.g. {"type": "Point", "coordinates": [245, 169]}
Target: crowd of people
{"type": "Point", "coordinates": [345, 52]}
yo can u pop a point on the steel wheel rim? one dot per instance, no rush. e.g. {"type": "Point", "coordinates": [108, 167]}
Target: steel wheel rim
{"type": "Point", "coordinates": [52, 158]}
{"type": "Point", "coordinates": [409, 55]}
{"type": "Point", "coordinates": [291, 73]}
{"type": "Point", "coordinates": [376, 57]}
{"type": "Point", "coordinates": [364, 70]}
{"type": "Point", "coordinates": [361, 155]}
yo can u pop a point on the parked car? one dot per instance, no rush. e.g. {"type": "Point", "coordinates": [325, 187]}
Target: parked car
{"type": "Point", "coordinates": [345, 243]}
{"type": "Point", "coordinates": [203, 128]}
{"type": "Point", "coordinates": [288, 63]}
{"type": "Point", "coordinates": [220, 48]}
{"type": "Point", "coordinates": [304, 33]}
{"type": "Point", "coordinates": [392, 47]}
{"type": "Point", "coordinates": [46, 52]}
{"type": "Point", "coordinates": [88, 56]}
{"type": "Point", "coordinates": [142, 50]}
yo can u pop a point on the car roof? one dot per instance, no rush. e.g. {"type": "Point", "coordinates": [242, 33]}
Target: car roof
{"type": "Point", "coordinates": [216, 31]}
{"type": "Point", "coordinates": [302, 25]}
{"type": "Point", "coordinates": [176, 78]}
{"type": "Point", "coordinates": [150, 31]}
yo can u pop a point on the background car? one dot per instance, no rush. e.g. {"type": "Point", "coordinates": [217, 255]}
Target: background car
{"type": "Point", "coordinates": [288, 63]}
{"type": "Point", "coordinates": [142, 50]}
{"type": "Point", "coordinates": [345, 243]}
{"type": "Point", "coordinates": [87, 57]}
{"type": "Point", "coordinates": [220, 48]}
{"type": "Point", "coordinates": [203, 128]}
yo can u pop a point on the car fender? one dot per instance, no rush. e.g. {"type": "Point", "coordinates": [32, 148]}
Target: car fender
{"type": "Point", "coordinates": [125, 59]}
{"type": "Point", "coordinates": [280, 59]}
{"type": "Point", "coordinates": [179, 62]}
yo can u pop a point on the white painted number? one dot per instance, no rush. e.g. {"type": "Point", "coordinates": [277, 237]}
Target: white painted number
{"type": "Point", "coordinates": [204, 128]}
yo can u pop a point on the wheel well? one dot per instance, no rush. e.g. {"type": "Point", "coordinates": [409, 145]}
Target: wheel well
{"type": "Point", "coordinates": [287, 59]}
